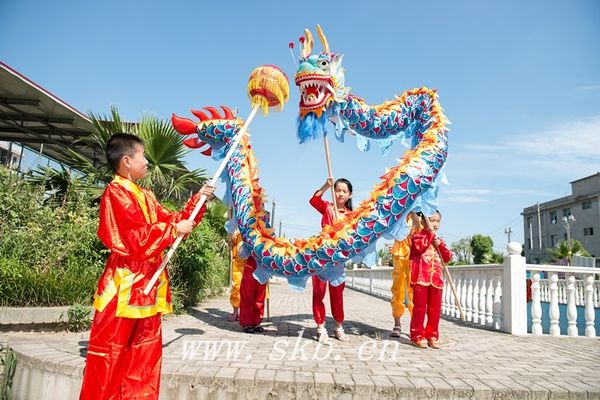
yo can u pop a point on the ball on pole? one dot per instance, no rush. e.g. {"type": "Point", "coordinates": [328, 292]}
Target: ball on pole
{"type": "Point", "coordinates": [268, 86]}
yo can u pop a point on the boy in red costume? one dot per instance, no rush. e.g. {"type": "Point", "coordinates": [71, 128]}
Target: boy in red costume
{"type": "Point", "coordinates": [125, 347]}
{"type": "Point", "coordinates": [426, 264]}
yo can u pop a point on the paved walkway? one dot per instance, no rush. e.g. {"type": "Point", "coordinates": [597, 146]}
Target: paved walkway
{"type": "Point", "coordinates": [200, 358]}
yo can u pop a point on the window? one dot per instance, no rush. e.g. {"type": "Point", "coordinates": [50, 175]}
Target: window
{"type": "Point", "coordinates": [529, 244]}
{"type": "Point", "coordinates": [588, 231]}
{"type": "Point", "coordinates": [553, 217]}
{"type": "Point", "coordinates": [564, 236]}
{"type": "Point", "coordinates": [586, 205]}
{"type": "Point", "coordinates": [553, 240]}
{"type": "Point", "coordinates": [566, 212]}
{"type": "Point", "coordinates": [3, 156]}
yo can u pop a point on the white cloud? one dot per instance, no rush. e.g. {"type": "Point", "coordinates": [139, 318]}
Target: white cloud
{"type": "Point", "coordinates": [459, 192]}
{"type": "Point", "coordinates": [574, 140]}
{"type": "Point", "coordinates": [465, 199]}
{"type": "Point", "coordinates": [587, 88]}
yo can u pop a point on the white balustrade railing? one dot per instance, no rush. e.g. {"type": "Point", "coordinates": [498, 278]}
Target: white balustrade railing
{"type": "Point", "coordinates": [494, 296]}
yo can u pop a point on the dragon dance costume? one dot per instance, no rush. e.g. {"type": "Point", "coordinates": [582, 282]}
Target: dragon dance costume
{"type": "Point", "coordinates": [125, 346]}
{"type": "Point", "coordinates": [401, 277]}
{"type": "Point", "coordinates": [428, 284]}
{"type": "Point", "coordinates": [237, 270]}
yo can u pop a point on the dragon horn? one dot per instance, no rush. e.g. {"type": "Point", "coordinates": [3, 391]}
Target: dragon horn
{"type": "Point", "coordinates": [184, 126]}
{"type": "Point", "coordinates": [213, 112]}
{"type": "Point", "coordinates": [323, 38]}
{"type": "Point", "coordinates": [308, 44]}
{"type": "Point", "coordinates": [200, 115]}
{"type": "Point", "coordinates": [228, 112]}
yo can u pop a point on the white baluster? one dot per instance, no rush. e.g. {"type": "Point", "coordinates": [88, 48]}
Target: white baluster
{"type": "Point", "coordinates": [571, 307]}
{"type": "Point", "coordinates": [482, 297]}
{"type": "Point", "coordinates": [497, 308]}
{"type": "Point", "coordinates": [562, 299]}
{"type": "Point", "coordinates": [536, 306]}
{"type": "Point", "coordinates": [444, 295]}
{"type": "Point", "coordinates": [469, 300]}
{"type": "Point", "coordinates": [489, 304]}
{"type": "Point", "coordinates": [581, 291]}
{"type": "Point", "coordinates": [590, 313]}
{"type": "Point", "coordinates": [545, 290]}
{"type": "Point", "coordinates": [458, 287]}
{"type": "Point", "coordinates": [451, 304]}
{"type": "Point", "coordinates": [475, 300]}
{"type": "Point", "coordinates": [554, 310]}
{"type": "Point", "coordinates": [463, 292]}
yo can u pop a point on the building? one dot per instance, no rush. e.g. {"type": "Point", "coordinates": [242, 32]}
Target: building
{"type": "Point", "coordinates": [10, 155]}
{"type": "Point", "coordinates": [544, 226]}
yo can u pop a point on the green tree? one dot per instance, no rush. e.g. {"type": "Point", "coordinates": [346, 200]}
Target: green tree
{"type": "Point", "coordinates": [565, 250]}
{"type": "Point", "coordinates": [482, 248]}
{"type": "Point", "coordinates": [462, 251]}
{"type": "Point", "coordinates": [385, 255]}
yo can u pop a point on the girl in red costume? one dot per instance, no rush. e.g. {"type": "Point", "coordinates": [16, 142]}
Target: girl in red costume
{"type": "Point", "coordinates": [343, 199]}
{"type": "Point", "coordinates": [125, 348]}
{"type": "Point", "coordinates": [427, 281]}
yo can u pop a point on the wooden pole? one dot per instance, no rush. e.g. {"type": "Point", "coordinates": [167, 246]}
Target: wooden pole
{"type": "Point", "coordinates": [328, 158]}
{"type": "Point", "coordinates": [445, 267]}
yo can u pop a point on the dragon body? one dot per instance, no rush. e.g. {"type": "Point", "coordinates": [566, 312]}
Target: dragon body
{"type": "Point", "coordinates": [416, 118]}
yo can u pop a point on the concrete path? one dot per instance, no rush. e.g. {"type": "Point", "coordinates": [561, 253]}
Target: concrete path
{"type": "Point", "coordinates": [207, 357]}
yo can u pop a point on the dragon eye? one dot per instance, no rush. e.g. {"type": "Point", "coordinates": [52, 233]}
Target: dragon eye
{"type": "Point", "coordinates": [323, 63]}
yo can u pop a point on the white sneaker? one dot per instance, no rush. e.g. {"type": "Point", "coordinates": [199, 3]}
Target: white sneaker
{"type": "Point", "coordinates": [322, 336]}
{"type": "Point", "coordinates": [340, 335]}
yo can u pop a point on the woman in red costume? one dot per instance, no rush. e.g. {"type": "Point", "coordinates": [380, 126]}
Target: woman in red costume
{"type": "Point", "coordinates": [125, 348]}
{"type": "Point", "coordinates": [343, 198]}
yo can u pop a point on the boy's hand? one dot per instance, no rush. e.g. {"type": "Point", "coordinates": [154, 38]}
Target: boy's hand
{"type": "Point", "coordinates": [436, 241]}
{"type": "Point", "coordinates": [207, 190]}
{"type": "Point", "coordinates": [184, 227]}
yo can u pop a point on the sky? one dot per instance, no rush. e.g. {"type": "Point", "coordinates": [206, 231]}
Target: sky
{"type": "Point", "coordinates": [519, 80]}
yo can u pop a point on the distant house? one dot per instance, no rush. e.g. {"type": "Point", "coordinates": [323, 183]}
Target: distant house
{"type": "Point", "coordinates": [544, 227]}
{"type": "Point", "coordinates": [10, 155]}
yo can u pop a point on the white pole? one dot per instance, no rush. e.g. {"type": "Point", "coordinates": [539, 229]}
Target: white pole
{"type": "Point", "coordinates": [213, 181]}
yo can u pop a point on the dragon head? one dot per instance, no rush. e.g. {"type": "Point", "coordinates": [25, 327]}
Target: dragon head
{"type": "Point", "coordinates": [320, 77]}
{"type": "Point", "coordinates": [211, 134]}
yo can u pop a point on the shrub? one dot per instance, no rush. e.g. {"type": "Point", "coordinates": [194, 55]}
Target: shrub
{"type": "Point", "coordinates": [50, 254]}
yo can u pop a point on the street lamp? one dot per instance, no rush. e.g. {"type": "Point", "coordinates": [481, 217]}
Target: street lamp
{"type": "Point", "coordinates": [567, 221]}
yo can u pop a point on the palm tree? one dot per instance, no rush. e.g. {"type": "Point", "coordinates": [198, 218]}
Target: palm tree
{"type": "Point", "coordinates": [167, 175]}
{"type": "Point", "coordinates": [565, 250]}
{"type": "Point", "coordinates": [164, 149]}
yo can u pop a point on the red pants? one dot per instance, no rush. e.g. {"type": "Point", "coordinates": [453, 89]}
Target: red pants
{"type": "Point", "coordinates": [124, 357]}
{"type": "Point", "coordinates": [336, 299]}
{"type": "Point", "coordinates": [427, 301]}
{"type": "Point", "coordinates": [252, 297]}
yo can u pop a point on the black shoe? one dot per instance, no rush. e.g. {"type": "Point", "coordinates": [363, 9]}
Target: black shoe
{"type": "Point", "coordinates": [249, 329]}
{"type": "Point", "coordinates": [259, 329]}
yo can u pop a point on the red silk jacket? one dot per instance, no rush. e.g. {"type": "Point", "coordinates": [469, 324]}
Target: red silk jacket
{"type": "Point", "coordinates": [425, 262]}
{"type": "Point", "coordinates": [136, 229]}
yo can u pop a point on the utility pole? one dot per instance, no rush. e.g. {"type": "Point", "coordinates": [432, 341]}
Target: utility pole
{"type": "Point", "coordinates": [273, 214]}
{"type": "Point", "coordinates": [279, 228]}
{"type": "Point", "coordinates": [508, 231]}
{"type": "Point", "coordinates": [539, 226]}
{"type": "Point", "coordinates": [567, 221]}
